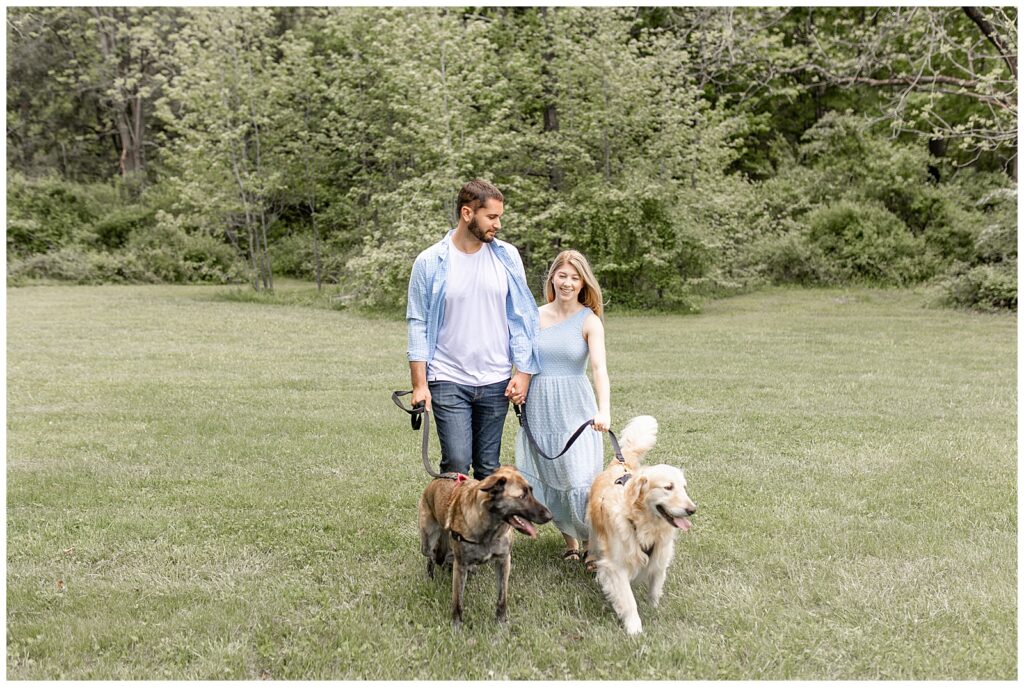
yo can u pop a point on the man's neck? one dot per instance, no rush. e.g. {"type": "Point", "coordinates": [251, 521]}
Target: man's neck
{"type": "Point", "coordinates": [463, 240]}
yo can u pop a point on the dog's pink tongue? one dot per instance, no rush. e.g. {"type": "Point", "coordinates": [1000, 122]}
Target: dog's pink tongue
{"type": "Point", "coordinates": [682, 523]}
{"type": "Point", "coordinates": [526, 527]}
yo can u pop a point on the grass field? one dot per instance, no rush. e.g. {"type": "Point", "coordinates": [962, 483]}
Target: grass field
{"type": "Point", "coordinates": [206, 488]}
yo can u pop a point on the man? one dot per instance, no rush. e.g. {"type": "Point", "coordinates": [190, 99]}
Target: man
{"type": "Point", "coordinates": [471, 319]}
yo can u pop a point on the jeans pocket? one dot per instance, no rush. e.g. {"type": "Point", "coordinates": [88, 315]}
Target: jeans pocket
{"type": "Point", "coordinates": [444, 392]}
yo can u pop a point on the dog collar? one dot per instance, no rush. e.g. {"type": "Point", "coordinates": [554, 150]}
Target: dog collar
{"type": "Point", "coordinates": [625, 478]}
{"type": "Point", "coordinates": [462, 540]}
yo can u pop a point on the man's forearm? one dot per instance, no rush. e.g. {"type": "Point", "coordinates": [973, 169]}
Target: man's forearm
{"type": "Point", "coordinates": [420, 389]}
{"type": "Point", "coordinates": [418, 371]}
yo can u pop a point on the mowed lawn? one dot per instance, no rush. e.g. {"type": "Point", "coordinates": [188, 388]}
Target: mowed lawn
{"type": "Point", "coordinates": [201, 488]}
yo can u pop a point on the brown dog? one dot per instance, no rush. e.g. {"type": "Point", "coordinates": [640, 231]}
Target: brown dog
{"type": "Point", "coordinates": [471, 522]}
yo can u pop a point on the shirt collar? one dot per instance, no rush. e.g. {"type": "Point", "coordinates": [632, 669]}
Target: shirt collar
{"type": "Point", "coordinates": [496, 245]}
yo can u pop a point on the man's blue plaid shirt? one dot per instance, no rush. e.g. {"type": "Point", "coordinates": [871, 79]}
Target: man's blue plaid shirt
{"type": "Point", "coordinates": [425, 311]}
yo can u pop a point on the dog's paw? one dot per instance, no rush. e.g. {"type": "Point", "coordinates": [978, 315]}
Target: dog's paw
{"type": "Point", "coordinates": [633, 626]}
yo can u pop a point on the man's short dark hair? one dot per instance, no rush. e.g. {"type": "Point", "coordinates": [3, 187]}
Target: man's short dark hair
{"type": "Point", "coordinates": [477, 193]}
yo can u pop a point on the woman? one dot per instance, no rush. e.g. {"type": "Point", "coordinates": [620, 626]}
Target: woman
{"type": "Point", "coordinates": [561, 398]}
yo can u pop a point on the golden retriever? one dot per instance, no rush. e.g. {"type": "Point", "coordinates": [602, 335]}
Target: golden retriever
{"type": "Point", "coordinates": [634, 513]}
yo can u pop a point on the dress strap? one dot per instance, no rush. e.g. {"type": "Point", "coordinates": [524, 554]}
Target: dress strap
{"type": "Point", "coordinates": [585, 311]}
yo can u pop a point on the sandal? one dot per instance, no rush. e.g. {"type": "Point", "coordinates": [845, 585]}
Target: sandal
{"type": "Point", "coordinates": [589, 563]}
{"type": "Point", "coordinates": [571, 555]}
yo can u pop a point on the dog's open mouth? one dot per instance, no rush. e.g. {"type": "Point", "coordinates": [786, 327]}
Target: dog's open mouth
{"type": "Point", "coordinates": [679, 523]}
{"type": "Point", "coordinates": [523, 525]}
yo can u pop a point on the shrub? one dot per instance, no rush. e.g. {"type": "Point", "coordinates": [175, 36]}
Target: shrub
{"type": "Point", "coordinates": [377, 277]}
{"type": "Point", "coordinates": [644, 250]}
{"type": "Point", "coordinates": [788, 259]}
{"type": "Point", "coordinates": [867, 242]}
{"type": "Point", "coordinates": [780, 202]}
{"type": "Point", "coordinates": [114, 228]}
{"type": "Point", "coordinates": [983, 287]}
{"type": "Point", "coordinates": [997, 239]}
{"type": "Point", "coordinates": [988, 279]}
{"type": "Point", "coordinates": [292, 255]}
{"type": "Point", "coordinates": [852, 161]}
{"type": "Point", "coordinates": [952, 235]}
{"type": "Point", "coordinates": [168, 253]}
{"type": "Point", "coordinates": [44, 215]}
{"type": "Point", "coordinates": [985, 190]}
{"type": "Point", "coordinates": [77, 265]}
{"type": "Point", "coordinates": [997, 242]}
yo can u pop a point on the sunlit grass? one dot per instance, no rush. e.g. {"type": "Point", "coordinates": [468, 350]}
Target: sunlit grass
{"type": "Point", "coordinates": [224, 490]}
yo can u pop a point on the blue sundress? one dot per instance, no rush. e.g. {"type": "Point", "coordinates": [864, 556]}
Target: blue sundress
{"type": "Point", "coordinates": [559, 400]}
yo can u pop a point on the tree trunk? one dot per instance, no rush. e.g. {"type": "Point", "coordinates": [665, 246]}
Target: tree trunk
{"type": "Point", "coordinates": [1008, 52]}
{"type": "Point", "coordinates": [126, 107]}
{"type": "Point", "coordinates": [1005, 51]}
{"type": "Point", "coordinates": [252, 249]}
{"type": "Point", "coordinates": [268, 272]}
{"type": "Point", "coordinates": [316, 249]}
{"type": "Point", "coordinates": [311, 201]}
{"type": "Point", "coordinates": [555, 174]}
{"type": "Point", "coordinates": [448, 147]}
{"type": "Point", "coordinates": [604, 131]}
{"type": "Point", "coordinates": [250, 229]}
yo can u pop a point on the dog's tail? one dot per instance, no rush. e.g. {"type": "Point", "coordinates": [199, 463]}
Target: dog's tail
{"type": "Point", "coordinates": [638, 438]}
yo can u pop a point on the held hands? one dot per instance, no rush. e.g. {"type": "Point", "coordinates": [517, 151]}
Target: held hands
{"type": "Point", "coordinates": [517, 386]}
{"type": "Point", "coordinates": [602, 421]}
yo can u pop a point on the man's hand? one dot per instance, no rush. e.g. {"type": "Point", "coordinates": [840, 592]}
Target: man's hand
{"type": "Point", "coordinates": [517, 386]}
{"type": "Point", "coordinates": [421, 394]}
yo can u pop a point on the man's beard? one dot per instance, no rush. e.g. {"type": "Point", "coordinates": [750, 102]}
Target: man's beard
{"type": "Point", "coordinates": [475, 230]}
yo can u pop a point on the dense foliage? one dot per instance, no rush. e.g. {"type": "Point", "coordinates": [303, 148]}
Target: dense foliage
{"type": "Point", "coordinates": [686, 151]}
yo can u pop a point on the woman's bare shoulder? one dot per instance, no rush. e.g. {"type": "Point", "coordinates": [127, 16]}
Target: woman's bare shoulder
{"type": "Point", "coordinates": [592, 324]}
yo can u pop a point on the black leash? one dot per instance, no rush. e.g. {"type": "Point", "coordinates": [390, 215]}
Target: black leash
{"type": "Point", "coordinates": [417, 413]}
{"type": "Point", "coordinates": [521, 414]}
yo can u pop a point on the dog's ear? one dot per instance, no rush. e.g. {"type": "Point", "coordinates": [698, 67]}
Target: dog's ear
{"type": "Point", "coordinates": [493, 484]}
{"type": "Point", "coordinates": [642, 487]}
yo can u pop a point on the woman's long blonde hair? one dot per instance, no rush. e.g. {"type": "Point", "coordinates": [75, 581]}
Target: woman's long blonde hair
{"type": "Point", "coordinates": [590, 294]}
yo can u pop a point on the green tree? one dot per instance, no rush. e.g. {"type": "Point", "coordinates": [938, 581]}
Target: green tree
{"type": "Point", "coordinates": [219, 108]}
{"type": "Point", "coordinates": [82, 83]}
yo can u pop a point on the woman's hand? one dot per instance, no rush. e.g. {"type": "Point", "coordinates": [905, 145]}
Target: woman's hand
{"type": "Point", "coordinates": [602, 421]}
{"type": "Point", "coordinates": [517, 387]}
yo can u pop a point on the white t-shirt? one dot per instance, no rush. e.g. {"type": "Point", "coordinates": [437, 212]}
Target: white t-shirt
{"type": "Point", "coordinates": [472, 345]}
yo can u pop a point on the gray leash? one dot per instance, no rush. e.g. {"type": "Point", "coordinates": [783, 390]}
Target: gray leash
{"type": "Point", "coordinates": [417, 413]}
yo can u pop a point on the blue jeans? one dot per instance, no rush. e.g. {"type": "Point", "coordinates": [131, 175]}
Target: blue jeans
{"type": "Point", "coordinates": [469, 420]}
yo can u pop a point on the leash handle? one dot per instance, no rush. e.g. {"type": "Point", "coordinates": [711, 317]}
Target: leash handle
{"type": "Point", "coordinates": [416, 414]}
{"type": "Point", "coordinates": [521, 414]}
